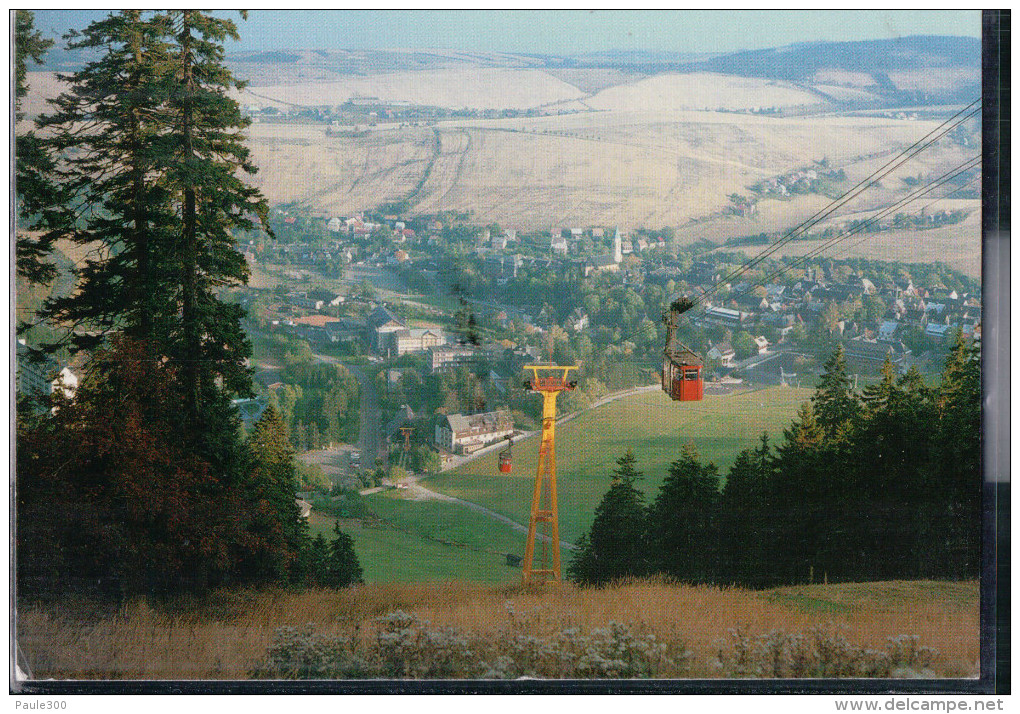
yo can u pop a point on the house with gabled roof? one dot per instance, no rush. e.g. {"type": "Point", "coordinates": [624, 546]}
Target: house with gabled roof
{"type": "Point", "coordinates": [723, 352]}
{"type": "Point", "coordinates": [400, 342]}
{"type": "Point", "coordinates": [466, 433]}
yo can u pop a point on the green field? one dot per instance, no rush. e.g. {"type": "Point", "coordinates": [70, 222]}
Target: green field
{"type": "Point", "coordinates": [436, 540]}
{"type": "Point", "coordinates": [444, 521]}
{"type": "Point", "coordinates": [389, 555]}
{"type": "Point", "coordinates": [588, 446]}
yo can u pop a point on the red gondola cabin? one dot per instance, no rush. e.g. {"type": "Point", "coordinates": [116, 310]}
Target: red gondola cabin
{"type": "Point", "coordinates": [682, 367]}
{"type": "Point", "coordinates": [506, 463]}
{"type": "Point", "coordinates": [682, 379]}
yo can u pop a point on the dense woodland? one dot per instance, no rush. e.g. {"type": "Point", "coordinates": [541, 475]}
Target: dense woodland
{"type": "Point", "coordinates": [875, 485]}
{"type": "Point", "coordinates": [143, 483]}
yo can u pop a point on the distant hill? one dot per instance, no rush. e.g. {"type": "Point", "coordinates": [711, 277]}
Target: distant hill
{"type": "Point", "coordinates": [924, 69]}
{"type": "Point", "coordinates": [802, 61]}
{"type": "Point", "coordinates": [798, 62]}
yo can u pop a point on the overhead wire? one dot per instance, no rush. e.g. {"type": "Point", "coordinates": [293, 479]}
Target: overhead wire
{"type": "Point", "coordinates": [932, 203]}
{"type": "Point", "coordinates": [815, 252]}
{"type": "Point", "coordinates": [971, 163]}
{"type": "Point", "coordinates": [867, 182]}
{"type": "Point", "coordinates": [905, 155]}
{"type": "Point", "coordinates": [910, 152]}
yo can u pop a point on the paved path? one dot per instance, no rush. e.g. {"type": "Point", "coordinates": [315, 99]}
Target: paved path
{"type": "Point", "coordinates": [417, 491]}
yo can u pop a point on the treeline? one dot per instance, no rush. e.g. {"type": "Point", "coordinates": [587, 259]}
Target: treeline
{"type": "Point", "coordinates": [879, 484]}
{"type": "Point", "coordinates": [141, 482]}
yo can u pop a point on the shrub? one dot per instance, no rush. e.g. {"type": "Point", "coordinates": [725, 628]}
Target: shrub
{"type": "Point", "coordinates": [304, 654]}
{"type": "Point", "coordinates": [821, 652]}
{"type": "Point", "coordinates": [607, 653]}
{"type": "Point", "coordinates": [407, 648]}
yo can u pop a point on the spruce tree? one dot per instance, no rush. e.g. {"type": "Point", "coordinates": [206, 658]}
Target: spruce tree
{"type": "Point", "coordinates": [875, 398]}
{"type": "Point", "coordinates": [343, 568]}
{"type": "Point", "coordinates": [109, 197]}
{"type": "Point", "coordinates": [36, 196]}
{"type": "Point", "coordinates": [801, 529]}
{"type": "Point", "coordinates": [205, 156]}
{"type": "Point", "coordinates": [278, 533]}
{"type": "Point", "coordinates": [615, 546]}
{"type": "Point", "coordinates": [835, 404]}
{"type": "Point", "coordinates": [29, 44]}
{"type": "Point", "coordinates": [682, 521]}
{"type": "Point", "coordinates": [958, 470]}
{"type": "Point", "coordinates": [744, 518]}
{"type": "Point", "coordinates": [146, 147]}
{"type": "Point", "coordinates": [892, 460]}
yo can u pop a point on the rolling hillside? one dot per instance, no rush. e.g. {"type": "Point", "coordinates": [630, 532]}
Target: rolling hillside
{"type": "Point", "coordinates": [635, 140]}
{"type": "Point", "coordinates": [631, 168]}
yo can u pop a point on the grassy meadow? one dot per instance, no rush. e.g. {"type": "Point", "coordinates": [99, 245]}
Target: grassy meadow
{"type": "Point", "coordinates": [391, 554]}
{"type": "Point", "coordinates": [700, 631]}
{"type": "Point", "coordinates": [415, 539]}
{"type": "Point", "coordinates": [587, 449]}
{"type": "Point", "coordinates": [446, 522]}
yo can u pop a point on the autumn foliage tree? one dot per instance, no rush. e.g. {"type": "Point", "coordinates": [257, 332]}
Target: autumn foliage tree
{"type": "Point", "coordinates": [109, 497]}
{"type": "Point", "coordinates": [142, 483]}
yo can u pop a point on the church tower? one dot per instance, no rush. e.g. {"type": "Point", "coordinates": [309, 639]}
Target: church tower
{"type": "Point", "coordinates": [617, 247]}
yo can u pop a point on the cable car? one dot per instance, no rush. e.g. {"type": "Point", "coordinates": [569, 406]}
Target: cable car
{"type": "Point", "coordinates": [682, 367]}
{"type": "Point", "coordinates": [506, 462]}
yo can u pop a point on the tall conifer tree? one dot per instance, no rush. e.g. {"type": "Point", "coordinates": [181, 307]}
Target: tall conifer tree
{"type": "Point", "coordinates": [205, 157]}
{"type": "Point", "coordinates": [835, 404]}
{"type": "Point", "coordinates": [615, 546]}
{"type": "Point", "coordinates": [958, 449]}
{"type": "Point", "coordinates": [103, 139]}
{"type": "Point", "coordinates": [682, 520]}
{"type": "Point", "coordinates": [37, 198]}
{"type": "Point", "coordinates": [275, 524]}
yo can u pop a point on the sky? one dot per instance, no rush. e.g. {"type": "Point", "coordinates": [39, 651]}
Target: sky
{"type": "Point", "coordinates": [565, 32]}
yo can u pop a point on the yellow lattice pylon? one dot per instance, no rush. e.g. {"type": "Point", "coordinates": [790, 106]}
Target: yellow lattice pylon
{"type": "Point", "coordinates": [549, 381]}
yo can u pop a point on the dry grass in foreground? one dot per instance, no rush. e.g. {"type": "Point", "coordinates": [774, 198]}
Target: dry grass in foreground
{"type": "Point", "coordinates": [466, 630]}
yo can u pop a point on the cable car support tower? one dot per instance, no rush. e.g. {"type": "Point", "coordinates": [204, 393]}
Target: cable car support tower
{"type": "Point", "coordinates": [406, 431]}
{"type": "Point", "coordinates": [549, 381]}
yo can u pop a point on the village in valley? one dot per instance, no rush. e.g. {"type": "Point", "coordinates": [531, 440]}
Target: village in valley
{"type": "Point", "coordinates": [437, 318]}
{"type": "Point", "coordinates": [408, 303]}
